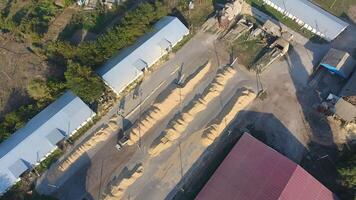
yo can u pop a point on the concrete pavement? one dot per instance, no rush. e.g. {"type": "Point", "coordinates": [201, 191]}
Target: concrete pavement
{"type": "Point", "coordinates": [190, 57]}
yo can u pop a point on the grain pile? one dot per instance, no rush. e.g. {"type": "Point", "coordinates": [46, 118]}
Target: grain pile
{"type": "Point", "coordinates": [98, 137]}
{"type": "Point", "coordinates": [160, 110]}
{"type": "Point", "coordinates": [215, 130]}
{"type": "Point", "coordinates": [180, 125]}
{"type": "Point", "coordinates": [117, 191]}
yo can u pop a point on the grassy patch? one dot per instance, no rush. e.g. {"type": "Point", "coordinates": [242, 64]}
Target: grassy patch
{"type": "Point", "coordinates": [338, 8]}
{"type": "Point", "coordinates": [83, 129]}
{"type": "Point", "coordinates": [182, 42]}
{"type": "Point", "coordinates": [247, 51]}
{"type": "Point", "coordinates": [46, 163]}
{"type": "Point", "coordinates": [197, 16]}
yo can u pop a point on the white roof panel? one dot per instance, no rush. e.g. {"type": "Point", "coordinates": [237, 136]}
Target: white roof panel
{"type": "Point", "coordinates": [30, 144]}
{"type": "Point", "coordinates": [314, 16]}
{"type": "Point", "coordinates": [120, 71]}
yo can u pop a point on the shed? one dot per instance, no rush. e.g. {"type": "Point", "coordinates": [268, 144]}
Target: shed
{"type": "Point", "coordinates": [272, 28]}
{"type": "Point", "coordinates": [345, 110]}
{"type": "Point", "coordinates": [129, 64]}
{"type": "Point", "coordinates": [338, 62]}
{"type": "Point", "coordinates": [310, 16]}
{"type": "Point", "coordinates": [254, 171]}
{"type": "Point", "coordinates": [39, 137]}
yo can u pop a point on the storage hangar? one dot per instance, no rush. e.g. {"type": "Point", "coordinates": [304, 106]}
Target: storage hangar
{"type": "Point", "coordinates": [130, 63]}
{"type": "Point", "coordinates": [311, 17]}
{"type": "Point", "coordinates": [28, 146]}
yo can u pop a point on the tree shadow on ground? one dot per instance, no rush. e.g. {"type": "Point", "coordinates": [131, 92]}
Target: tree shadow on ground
{"type": "Point", "coordinates": [16, 99]}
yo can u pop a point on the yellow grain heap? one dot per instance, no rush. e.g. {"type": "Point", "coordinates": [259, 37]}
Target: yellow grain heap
{"type": "Point", "coordinates": [117, 191]}
{"type": "Point", "coordinates": [161, 110]}
{"type": "Point", "coordinates": [180, 125]}
{"type": "Point", "coordinates": [215, 130]}
{"type": "Point", "coordinates": [99, 136]}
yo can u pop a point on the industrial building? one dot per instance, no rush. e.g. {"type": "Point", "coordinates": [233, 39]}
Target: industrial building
{"type": "Point", "coordinates": [129, 64]}
{"type": "Point", "coordinates": [338, 62]}
{"type": "Point", "coordinates": [28, 146]}
{"type": "Point", "coordinates": [310, 17]}
{"type": "Point", "coordinates": [254, 171]}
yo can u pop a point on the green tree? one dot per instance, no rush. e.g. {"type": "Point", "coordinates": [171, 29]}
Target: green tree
{"type": "Point", "coordinates": [83, 82]}
{"type": "Point", "coordinates": [94, 53]}
{"type": "Point", "coordinates": [45, 92]}
{"type": "Point", "coordinates": [347, 170]}
{"type": "Point", "coordinates": [39, 90]}
{"type": "Point", "coordinates": [16, 120]}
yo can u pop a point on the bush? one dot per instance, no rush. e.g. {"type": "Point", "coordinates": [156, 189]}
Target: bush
{"type": "Point", "coordinates": [83, 82]}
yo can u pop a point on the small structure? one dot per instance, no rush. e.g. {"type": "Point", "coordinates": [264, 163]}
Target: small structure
{"type": "Point", "coordinates": [276, 50]}
{"type": "Point", "coordinates": [272, 28]}
{"type": "Point", "coordinates": [345, 110]}
{"type": "Point", "coordinates": [338, 62]}
{"type": "Point", "coordinates": [241, 27]}
{"type": "Point", "coordinates": [254, 171]}
{"type": "Point", "coordinates": [129, 64]}
{"type": "Point", "coordinates": [28, 146]}
{"type": "Point", "coordinates": [310, 17]}
{"type": "Point", "coordinates": [229, 12]}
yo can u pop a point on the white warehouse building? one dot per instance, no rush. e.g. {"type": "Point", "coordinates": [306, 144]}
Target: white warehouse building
{"type": "Point", "coordinates": [129, 64]}
{"type": "Point", "coordinates": [310, 17]}
{"type": "Point", "coordinates": [31, 144]}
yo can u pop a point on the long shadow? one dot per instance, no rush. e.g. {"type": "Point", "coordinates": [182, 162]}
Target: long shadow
{"type": "Point", "coordinates": [126, 173]}
{"type": "Point", "coordinates": [76, 188]}
{"type": "Point", "coordinates": [197, 176]}
{"type": "Point", "coordinates": [322, 150]}
{"type": "Point", "coordinates": [307, 99]}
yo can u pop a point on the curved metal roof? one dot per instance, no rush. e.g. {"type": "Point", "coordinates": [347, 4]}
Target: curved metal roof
{"type": "Point", "coordinates": [30, 144]}
{"type": "Point", "coordinates": [121, 70]}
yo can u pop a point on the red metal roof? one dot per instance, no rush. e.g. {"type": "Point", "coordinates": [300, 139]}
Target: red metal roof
{"type": "Point", "coordinates": [254, 171]}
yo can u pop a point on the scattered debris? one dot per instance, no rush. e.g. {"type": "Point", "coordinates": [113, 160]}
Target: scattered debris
{"type": "Point", "coordinates": [228, 13]}
{"type": "Point", "coordinates": [240, 28]}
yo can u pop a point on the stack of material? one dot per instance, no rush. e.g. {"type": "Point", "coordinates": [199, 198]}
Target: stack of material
{"type": "Point", "coordinates": [161, 110]}
{"type": "Point", "coordinates": [215, 130]}
{"type": "Point", "coordinates": [229, 12]}
{"type": "Point", "coordinates": [102, 135]}
{"type": "Point", "coordinates": [181, 124]}
{"type": "Point", "coordinates": [117, 191]}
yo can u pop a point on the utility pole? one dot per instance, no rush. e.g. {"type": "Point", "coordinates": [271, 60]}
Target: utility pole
{"type": "Point", "coordinates": [140, 117]}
